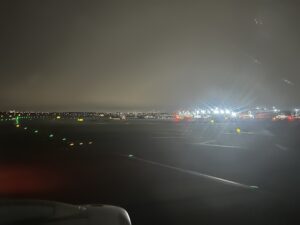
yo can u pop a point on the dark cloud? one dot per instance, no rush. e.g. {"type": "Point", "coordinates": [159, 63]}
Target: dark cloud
{"type": "Point", "coordinates": [98, 55]}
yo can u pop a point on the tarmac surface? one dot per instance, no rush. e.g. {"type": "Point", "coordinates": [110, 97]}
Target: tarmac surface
{"type": "Point", "coordinates": [161, 172]}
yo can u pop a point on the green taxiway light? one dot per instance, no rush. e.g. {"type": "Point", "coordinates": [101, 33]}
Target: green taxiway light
{"type": "Point", "coordinates": [36, 131]}
{"type": "Point", "coordinates": [130, 156]}
{"type": "Point", "coordinates": [64, 139]}
{"type": "Point", "coordinates": [51, 136]}
{"type": "Point", "coordinates": [17, 119]}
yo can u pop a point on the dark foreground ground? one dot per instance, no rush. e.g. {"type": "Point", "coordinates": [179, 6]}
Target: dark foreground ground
{"type": "Point", "coordinates": [161, 172]}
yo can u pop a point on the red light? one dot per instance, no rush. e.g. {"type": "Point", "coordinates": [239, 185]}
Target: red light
{"type": "Point", "coordinates": [290, 118]}
{"type": "Point", "coordinates": [28, 179]}
{"type": "Point", "coordinates": [176, 117]}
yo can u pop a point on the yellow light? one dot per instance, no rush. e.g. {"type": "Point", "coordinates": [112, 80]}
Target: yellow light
{"type": "Point", "coordinates": [18, 125]}
{"type": "Point", "coordinates": [72, 144]}
{"type": "Point", "coordinates": [58, 117]}
{"type": "Point", "coordinates": [80, 119]}
{"type": "Point", "coordinates": [238, 130]}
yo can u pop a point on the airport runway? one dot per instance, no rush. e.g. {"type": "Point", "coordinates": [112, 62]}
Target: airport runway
{"type": "Point", "coordinates": [162, 172]}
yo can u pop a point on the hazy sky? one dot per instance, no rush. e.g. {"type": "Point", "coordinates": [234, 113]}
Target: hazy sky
{"type": "Point", "coordinates": [102, 55]}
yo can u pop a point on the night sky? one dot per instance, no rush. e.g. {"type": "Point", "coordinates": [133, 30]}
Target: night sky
{"type": "Point", "coordinates": [142, 55]}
